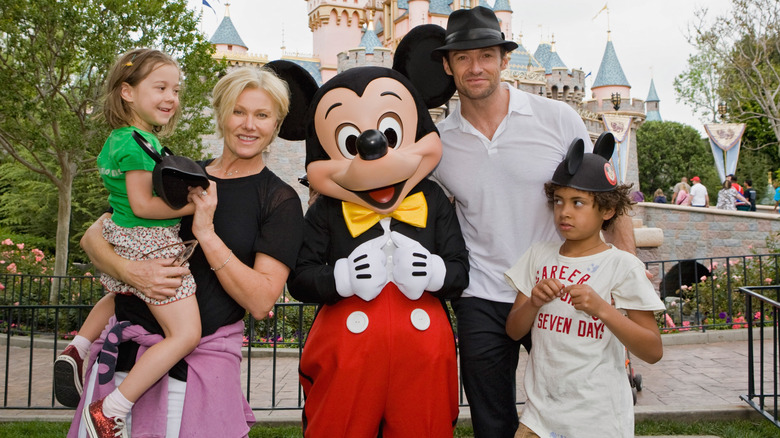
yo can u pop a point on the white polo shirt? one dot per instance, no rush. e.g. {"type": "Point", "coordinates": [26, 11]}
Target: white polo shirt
{"type": "Point", "coordinates": [498, 184]}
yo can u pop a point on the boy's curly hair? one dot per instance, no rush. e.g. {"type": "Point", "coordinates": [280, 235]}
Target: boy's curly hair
{"type": "Point", "coordinates": [618, 199]}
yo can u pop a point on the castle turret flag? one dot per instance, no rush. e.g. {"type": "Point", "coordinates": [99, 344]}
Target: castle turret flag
{"type": "Point", "coordinates": [205, 3]}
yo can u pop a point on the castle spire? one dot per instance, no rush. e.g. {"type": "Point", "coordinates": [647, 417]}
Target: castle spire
{"type": "Point", "coordinates": [610, 72]}
{"type": "Point", "coordinates": [652, 104]}
{"type": "Point", "coordinates": [226, 32]}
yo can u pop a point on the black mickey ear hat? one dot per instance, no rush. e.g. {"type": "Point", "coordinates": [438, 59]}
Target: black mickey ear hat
{"type": "Point", "coordinates": [302, 87]}
{"type": "Point", "coordinates": [173, 175]}
{"type": "Point", "coordinates": [588, 172]}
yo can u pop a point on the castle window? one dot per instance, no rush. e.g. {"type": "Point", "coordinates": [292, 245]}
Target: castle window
{"type": "Point", "coordinates": [230, 47]}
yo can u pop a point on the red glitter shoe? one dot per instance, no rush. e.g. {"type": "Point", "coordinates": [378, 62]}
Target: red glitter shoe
{"type": "Point", "coordinates": [68, 377]}
{"type": "Point", "coordinates": [100, 426]}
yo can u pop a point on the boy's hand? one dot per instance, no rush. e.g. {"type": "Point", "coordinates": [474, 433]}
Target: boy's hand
{"type": "Point", "coordinates": [584, 298]}
{"type": "Point", "coordinates": [546, 291]}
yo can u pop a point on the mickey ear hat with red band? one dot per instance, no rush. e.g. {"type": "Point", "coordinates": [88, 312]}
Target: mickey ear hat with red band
{"type": "Point", "coordinates": [588, 172]}
{"type": "Point", "coordinates": [474, 28]}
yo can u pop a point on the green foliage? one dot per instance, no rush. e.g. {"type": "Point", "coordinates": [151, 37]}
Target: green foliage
{"type": "Point", "coordinates": [667, 151]}
{"type": "Point", "coordinates": [697, 86]}
{"type": "Point", "coordinates": [739, 57]}
{"type": "Point", "coordinates": [715, 301]}
{"type": "Point", "coordinates": [285, 326]}
{"type": "Point", "coordinates": [53, 62]}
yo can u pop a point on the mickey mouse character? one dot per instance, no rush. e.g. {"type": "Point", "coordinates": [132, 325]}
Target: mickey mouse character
{"type": "Point", "coordinates": [382, 250]}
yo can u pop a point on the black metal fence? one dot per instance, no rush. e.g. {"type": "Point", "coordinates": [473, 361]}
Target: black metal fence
{"type": "Point", "coordinates": [763, 365]}
{"type": "Point", "coordinates": [700, 294]}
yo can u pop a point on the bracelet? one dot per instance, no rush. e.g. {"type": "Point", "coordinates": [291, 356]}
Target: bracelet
{"type": "Point", "coordinates": [226, 262]}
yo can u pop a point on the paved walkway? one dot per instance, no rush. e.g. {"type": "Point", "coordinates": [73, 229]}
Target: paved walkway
{"type": "Point", "coordinates": [701, 375]}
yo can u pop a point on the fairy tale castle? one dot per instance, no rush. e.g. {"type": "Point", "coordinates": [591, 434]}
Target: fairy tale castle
{"type": "Point", "coordinates": [351, 33]}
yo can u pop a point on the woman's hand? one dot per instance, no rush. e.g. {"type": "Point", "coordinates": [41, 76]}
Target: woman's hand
{"type": "Point", "coordinates": [205, 204]}
{"type": "Point", "coordinates": [155, 278]}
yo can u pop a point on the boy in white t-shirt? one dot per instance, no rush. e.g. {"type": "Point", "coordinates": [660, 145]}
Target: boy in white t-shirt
{"type": "Point", "coordinates": [575, 378]}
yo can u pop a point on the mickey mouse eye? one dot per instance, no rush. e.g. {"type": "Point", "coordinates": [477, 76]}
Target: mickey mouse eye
{"type": "Point", "coordinates": [390, 126]}
{"type": "Point", "coordinates": [346, 138]}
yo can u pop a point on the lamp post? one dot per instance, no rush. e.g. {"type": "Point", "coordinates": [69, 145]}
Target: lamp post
{"type": "Point", "coordinates": [722, 110]}
{"type": "Point", "coordinates": [615, 101]}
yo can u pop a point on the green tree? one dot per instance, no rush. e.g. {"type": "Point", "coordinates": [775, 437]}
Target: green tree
{"type": "Point", "coordinates": [667, 151]}
{"type": "Point", "coordinates": [54, 55]}
{"type": "Point", "coordinates": [697, 86]}
{"type": "Point", "coordinates": [744, 45]}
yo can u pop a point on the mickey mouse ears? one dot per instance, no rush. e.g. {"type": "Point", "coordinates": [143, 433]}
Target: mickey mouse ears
{"type": "Point", "coordinates": [413, 59]}
{"type": "Point", "coordinates": [588, 172]}
{"type": "Point", "coordinates": [302, 87]}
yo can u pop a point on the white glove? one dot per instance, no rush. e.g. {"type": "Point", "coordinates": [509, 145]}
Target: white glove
{"type": "Point", "coordinates": [363, 273]}
{"type": "Point", "coordinates": [415, 269]}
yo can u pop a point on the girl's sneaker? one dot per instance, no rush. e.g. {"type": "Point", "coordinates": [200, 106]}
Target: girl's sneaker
{"type": "Point", "coordinates": [69, 377]}
{"type": "Point", "coordinates": [100, 426]}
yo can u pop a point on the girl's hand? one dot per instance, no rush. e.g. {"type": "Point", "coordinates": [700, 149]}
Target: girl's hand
{"type": "Point", "coordinates": [584, 298]}
{"type": "Point", "coordinates": [546, 291]}
{"type": "Point", "coordinates": [205, 204]}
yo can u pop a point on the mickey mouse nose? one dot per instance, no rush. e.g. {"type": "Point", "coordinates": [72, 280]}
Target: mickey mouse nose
{"type": "Point", "coordinates": [372, 145]}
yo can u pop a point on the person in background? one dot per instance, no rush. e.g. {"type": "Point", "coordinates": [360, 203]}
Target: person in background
{"type": "Point", "coordinates": [683, 197]}
{"type": "Point", "coordinates": [659, 197]}
{"type": "Point", "coordinates": [750, 194]}
{"type": "Point", "coordinates": [745, 205]}
{"type": "Point", "coordinates": [728, 196]}
{"type": "Point", "coordinates": [683, 184]}
{"type": "Point", "coordinates": [699, 195]}
{"type": "Point", "coordinates": [637, 196]}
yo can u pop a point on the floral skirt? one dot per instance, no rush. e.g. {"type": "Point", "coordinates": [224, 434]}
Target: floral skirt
{"type": "Point", "coordinates": [142, 243]}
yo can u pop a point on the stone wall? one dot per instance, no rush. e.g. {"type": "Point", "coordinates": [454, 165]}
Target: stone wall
{"type": "Point", "coordinates": [692, 232]}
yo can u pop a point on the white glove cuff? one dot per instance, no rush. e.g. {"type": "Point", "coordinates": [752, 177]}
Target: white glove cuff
{"type": "Point", "coordinates": [341, 275]}
{"type": "Point", "coordinates": [438, 272]}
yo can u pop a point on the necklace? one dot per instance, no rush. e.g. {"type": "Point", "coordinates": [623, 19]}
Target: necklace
{"type": "Point", "coordinates": [582, 253]}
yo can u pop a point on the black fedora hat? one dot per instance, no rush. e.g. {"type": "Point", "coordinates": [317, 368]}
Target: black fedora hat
{"type": "Point", "coordinates": [472, 29]}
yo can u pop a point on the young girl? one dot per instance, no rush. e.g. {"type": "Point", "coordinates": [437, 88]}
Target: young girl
{"type": "Point", "coordinates": [142, 96]}
{"type": "Point", "coordinates": [575, 378]}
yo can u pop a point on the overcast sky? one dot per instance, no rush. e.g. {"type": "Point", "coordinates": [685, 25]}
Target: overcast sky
{"type": "Point", "coordinates": [649, 36]}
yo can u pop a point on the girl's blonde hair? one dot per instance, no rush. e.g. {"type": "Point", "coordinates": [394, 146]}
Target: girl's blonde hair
{"type": "Point", "coordinates": [231, 86]}
{"type": "Point", "coordinates": [132, 68]}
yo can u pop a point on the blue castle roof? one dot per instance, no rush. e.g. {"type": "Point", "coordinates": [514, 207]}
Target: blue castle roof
{"type": "Point", "coordinates": [521, 58]}
{"type": "Point", "coordinates": [548, 58]}
{"type": "Point", "coordinates": [654, 116]}
{"type": "Point", "coordinates": [502, 5]}
{"type": "Point", "coordinates": [610, 71]}
{"type": "Point", "coordinates": [226, 33]}
{"type": "Point", "coordinates": [369, 41]}
{"type": "Point", "coordinates": [652, 96]}
{"type": "Point", "coordinates": [439, 7]}
{"type": "Point", "coordinates": [313, 67]}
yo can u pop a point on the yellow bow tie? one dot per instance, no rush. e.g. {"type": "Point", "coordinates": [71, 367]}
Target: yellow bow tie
{"type": "Point", "coordinates": [413, 210]}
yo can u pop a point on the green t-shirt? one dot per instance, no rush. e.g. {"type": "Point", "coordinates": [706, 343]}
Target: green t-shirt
{"type": "Point", "coordinates": [120, 154]}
